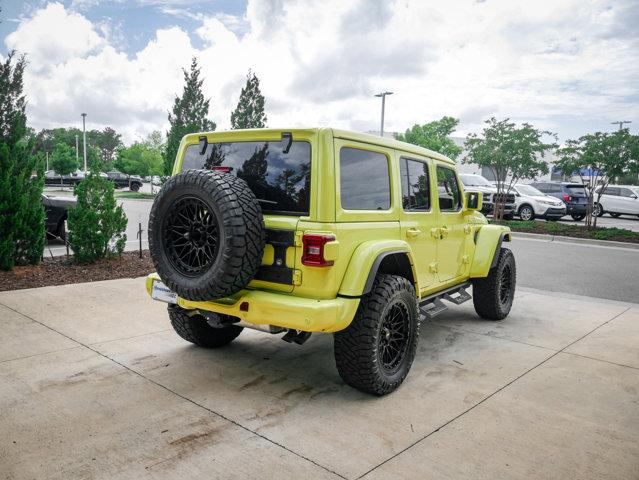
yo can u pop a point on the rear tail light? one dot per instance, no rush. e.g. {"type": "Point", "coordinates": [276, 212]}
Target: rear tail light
{"type": "Point", "coordinates": [567, 198]}
{"type": "Point", "coordinates": [313, 253]}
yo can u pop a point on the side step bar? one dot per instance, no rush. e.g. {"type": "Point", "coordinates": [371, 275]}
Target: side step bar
{"type": "Point", "coordinates": [433, 305]}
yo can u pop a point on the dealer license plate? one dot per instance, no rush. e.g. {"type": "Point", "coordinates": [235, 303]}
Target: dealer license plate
{"type": "Point", "coordinates": [163, 293]}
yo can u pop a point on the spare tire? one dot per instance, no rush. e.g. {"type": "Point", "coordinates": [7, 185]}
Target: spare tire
{"type": "Point", "coordinates": [206, 234]}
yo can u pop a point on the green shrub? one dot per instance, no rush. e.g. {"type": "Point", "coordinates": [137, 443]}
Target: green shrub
{"type": "Point", "coordinates": [96, 223]}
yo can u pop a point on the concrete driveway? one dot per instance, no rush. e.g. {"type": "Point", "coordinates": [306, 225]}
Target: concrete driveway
{"type": "Point", "coordinates": [94, 384]}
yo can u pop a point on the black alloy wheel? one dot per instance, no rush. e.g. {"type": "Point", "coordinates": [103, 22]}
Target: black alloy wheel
{"type": "Point", "coordinates": [191, 236]}
{"type": "Point", "coordinates": [394, 337]}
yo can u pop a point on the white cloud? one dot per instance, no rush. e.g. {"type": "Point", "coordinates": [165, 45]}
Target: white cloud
{"type": "Point", "coordinates": [565, 65]}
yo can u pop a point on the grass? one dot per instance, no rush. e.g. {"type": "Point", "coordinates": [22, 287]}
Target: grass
{"type": "Point", "coordinates": [574, 231]}
{"type": "Point", "coordinates": [134, 195]}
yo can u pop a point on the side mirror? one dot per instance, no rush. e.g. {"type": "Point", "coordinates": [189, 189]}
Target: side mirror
{"type": "Point", "coordinates": [633, 196]}
{"type": "Point", "coordinates": [473, 201]}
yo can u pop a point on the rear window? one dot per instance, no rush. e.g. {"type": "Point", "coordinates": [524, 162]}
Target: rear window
{"type": "Point", "coordinates": [281, 182]}
{"type": "Point", "coordinates": [576, 189]}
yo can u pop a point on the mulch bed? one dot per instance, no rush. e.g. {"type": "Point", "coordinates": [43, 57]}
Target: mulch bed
{"type": "Point", "coordinates": [573, 231]}
{"type": "Point", "coordinates": [61, 271]}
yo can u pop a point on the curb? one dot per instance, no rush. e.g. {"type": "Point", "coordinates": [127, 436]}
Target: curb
{"type": "Point", "coordinates": [582, 241]}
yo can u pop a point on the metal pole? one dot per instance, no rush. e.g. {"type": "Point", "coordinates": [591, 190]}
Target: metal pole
{"type": "Point", "coordinates": [84, 139]}
{"type": "Point", "coordinates": [140, 237]}
{"type": "Point", "coordinates": [381, 129]}
{"type": "Point", "coordinates": [383, 96]}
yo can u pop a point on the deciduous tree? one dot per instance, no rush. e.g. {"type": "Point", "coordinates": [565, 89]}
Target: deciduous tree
{"type": "Point", "coordinates": [597, 159]}
{"type": "Point", "coordinates": [435, 136]}
{"type": "Point", "coordinates": [510, 152]}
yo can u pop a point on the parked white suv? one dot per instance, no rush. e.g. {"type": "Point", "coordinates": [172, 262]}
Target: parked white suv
{"type": "Point", "coordinates": [531, 203]}
{"type": "Point", "coordinates": [618, 200]}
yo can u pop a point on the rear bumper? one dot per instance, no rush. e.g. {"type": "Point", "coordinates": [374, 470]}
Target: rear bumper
{"type": "Point", "coordinates": [270, 308]}
{"type": "Point", "coordinates": [576, 209]}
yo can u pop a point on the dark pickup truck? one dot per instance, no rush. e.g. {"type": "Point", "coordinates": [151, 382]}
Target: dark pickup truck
{"type": "Point", "coordinates": [120, 180]}
{"type": "Point", "coordinates": [56, 212]}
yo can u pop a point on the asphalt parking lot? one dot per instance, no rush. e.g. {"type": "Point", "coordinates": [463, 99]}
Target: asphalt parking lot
{"type": "Point", "coordinates": [96, 385]}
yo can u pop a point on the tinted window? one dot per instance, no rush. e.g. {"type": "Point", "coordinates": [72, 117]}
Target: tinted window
{"type": "Point", "coordinates": [448, 190]}
{"type": "Point", "coordinates": [576, 190]}
{"type": "Point", "coordinates": [611, 191]}
{"type": "Point", "coordinates": [280, 181]}
{"type": "Point", "coordinates": [364, 180]}
{"type": "Point", "coordinates": [415, 185]}
{"type": "Point", "coordinates": [554, 188]}
{"type": "Point", "coordinates": [625, 192]}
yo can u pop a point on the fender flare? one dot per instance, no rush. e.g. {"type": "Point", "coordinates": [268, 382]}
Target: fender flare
{"type": "Point", "coordinates": [368, 257]}
{"type": "Point", "coordinates": [488, 241]}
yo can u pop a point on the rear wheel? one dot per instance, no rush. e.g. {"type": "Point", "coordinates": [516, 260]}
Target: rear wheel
{"type": "Point", "coordinates": [526, 213]}
{"type": "Point", "coordinates": [578, 217]}
{"type": "Point", "coordinates": [493, 295]}
{"type": "Point", "coordinates": [135, 187]}
{"type": "Point", "coordinates": [615, 215]}
{"type": "Point", "coordinates": [376, 351]}
{"type": "Point", "coordinates": [597, 210]}
{"type": "Point", "coordinates": [195, 328]}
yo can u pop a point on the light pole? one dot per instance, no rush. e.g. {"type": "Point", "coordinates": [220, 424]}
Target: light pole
{"type": "Point", "coordinates": [383, 95]}
{"type": "Point", "coordinates": [620, 123]}
{"type": "Point", "coordinates": [84, 139]}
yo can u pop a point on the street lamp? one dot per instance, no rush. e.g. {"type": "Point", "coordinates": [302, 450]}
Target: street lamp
{"type": "Point", "coordinates": [620, 123]}
{"type": "Point", "coordinates": [383, 95]}
{"type": "Point", "coordinates": [84, 139]}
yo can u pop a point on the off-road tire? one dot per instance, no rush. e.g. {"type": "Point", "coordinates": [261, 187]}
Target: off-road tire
{"type": "Point", "coordinates": [490, 300]}
{"type": "Point", "coordinates": [195, 329]}
{"type": "Point", "coordinates": [526, 208]}
{"type": "Point", "coordinates": [135, 187]}
{"type": "Point", "coordinates": [358, 347]}
{"type": "Point", "coordinates": [239, 229]}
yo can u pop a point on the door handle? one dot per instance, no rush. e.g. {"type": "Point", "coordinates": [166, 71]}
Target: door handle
{"type": "Point", "coordinates": [443, 231]}
{"type": "Point", "coordinates": [413, 232]}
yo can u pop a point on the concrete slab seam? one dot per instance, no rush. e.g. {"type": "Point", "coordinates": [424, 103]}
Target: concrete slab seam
{"type": "Point", "coordinates": [489, 396]}
{"type": "Point", "coordinates": [257, 434]}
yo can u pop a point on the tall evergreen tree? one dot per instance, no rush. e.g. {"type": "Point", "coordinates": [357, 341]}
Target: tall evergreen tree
{"type": "Point", "coordinates": [190, 112]}
{"type": "Point", "coordinates": [249, 112]}
{"type": "Point", "coordinates": [21, 175]}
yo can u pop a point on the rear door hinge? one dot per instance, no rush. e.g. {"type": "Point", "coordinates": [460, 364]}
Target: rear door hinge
{"type": "Point", "coordinates": [434, 232]}
{"type": "Point", "coordinates": [297, 277]}
{"type": "Point", "coordinates": [298, 239]}
{"type": "Point", "coordinates": [467, 229]}
{"type": "Point", "coordinates": [433, 267]}
{"type": "Point", "coordinates": [465, 259]}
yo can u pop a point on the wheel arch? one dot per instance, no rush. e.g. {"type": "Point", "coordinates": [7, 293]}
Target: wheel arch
{"type": "Point", "coordinates": [390, 257]}
{"type": "Point", "coordinates": [525, 204]}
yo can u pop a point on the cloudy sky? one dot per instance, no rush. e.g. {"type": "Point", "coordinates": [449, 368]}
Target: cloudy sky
{"type": "Point", "coordinates": [570, 66]}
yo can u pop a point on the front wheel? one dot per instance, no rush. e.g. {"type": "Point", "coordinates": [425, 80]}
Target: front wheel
{"type": "Point", "coordinates": [194, 328]}
{"type": "Point", "coordinates": [135, 187]}
{"type": "Point", "coordinates": [578, 217]}
{"type": "Point", "coordinates": [376, 351]}
{"type": "Point", "coordinates": [526, 213]}
{"type": "Point", "coordinates": [493, 295]}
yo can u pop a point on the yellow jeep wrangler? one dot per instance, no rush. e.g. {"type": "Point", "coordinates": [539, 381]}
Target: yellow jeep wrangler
{"type": "Point", "coordinates": [322, 230]}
